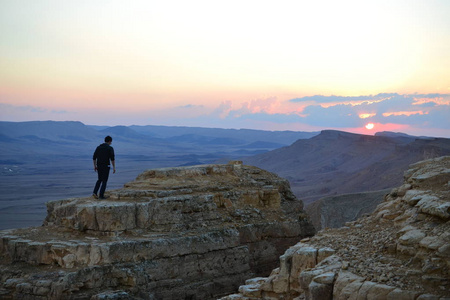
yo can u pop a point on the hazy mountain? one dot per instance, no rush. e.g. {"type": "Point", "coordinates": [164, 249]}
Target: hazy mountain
{"type": "Point", "coordinates": [51, 130]}
{"type": "Point", "coordinates": [260, 145]}
{"type": "Point", "coordinates": [248, 135]}
{"type": "Point", "coordinates": [335, 162]}
{"type": "Point", "coordinates": [122, 132]}
{"type": "Point", "coordinates": [42, 161]}
{"type": "Point", "coordinates": [45, 138]}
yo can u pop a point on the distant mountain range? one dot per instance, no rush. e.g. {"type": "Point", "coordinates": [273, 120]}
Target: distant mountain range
{"type": "Point", "coordinates": [50, 137]}
{"type": "Point", "coordinates": [336, 162]}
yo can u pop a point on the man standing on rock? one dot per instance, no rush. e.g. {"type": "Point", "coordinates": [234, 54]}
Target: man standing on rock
{"type": "Point", "coordinates": [103, 155]}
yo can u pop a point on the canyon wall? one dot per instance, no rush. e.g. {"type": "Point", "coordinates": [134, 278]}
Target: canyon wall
{"type": "Point", "coordinates": [400, 251]}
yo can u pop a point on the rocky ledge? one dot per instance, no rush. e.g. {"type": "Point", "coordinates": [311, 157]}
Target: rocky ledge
{"type": "Point", "coordinates": [177, 233]}
{"type": "Point", "coordinates": [400, 252]}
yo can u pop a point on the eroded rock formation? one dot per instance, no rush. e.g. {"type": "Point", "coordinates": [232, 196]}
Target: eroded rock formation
{"type": "Point", "coordinates": [401, 251]}
{"type": "Point", "coordinates": [178, 233]}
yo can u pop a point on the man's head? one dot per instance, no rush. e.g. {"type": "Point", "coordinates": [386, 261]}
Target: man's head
{"type": "Point", "coordinates": [108, 139]}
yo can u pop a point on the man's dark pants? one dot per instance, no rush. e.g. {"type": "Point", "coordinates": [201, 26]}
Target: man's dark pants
{"type": "Point", "coordinates": [103, 174]}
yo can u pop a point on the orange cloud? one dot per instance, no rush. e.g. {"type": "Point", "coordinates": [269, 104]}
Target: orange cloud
{"type": "Point", "coordinates": [437, 100]}
{"type": "Point", "coordinates": [405, 113]}
{"type": "Point", "coordinates": [365, 116]}
{"type": "Point", "coordinates": [353, 102]}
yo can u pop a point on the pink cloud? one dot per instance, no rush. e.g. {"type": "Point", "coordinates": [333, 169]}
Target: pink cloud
{"type": "Point", "coordinates": [354, 102]}
{"type": "Point", "coordinates": [405, 113]}
{"type": "Point", "coordinates": [437, 100]}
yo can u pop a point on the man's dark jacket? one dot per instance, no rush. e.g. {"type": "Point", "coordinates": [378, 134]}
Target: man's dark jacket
{"type": "Point", "coordinates": [103, 154]}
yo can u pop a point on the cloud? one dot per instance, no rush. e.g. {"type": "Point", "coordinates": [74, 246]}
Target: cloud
{"type": "Point", "coordinates": [191, 106]}
{"type": "Point", "coordinates": [9, 111]}
{"type": "Point", "coordinates": [433, 118]}
{"type": "Point", "coordinates": [342, 115]}
{"type": "Point", "coordinates": [222, 110]}
{"type": "Point", "coordinates": [20, 113]}
{"type": "Point", "coordinates": [404, 109]}
{"type": "Point", "coordinates": [342, 99]}
{"type": "Point", "coordinates": [432, 100]}
{"type": "Point", "coordinates": [426, 104]}
{"type": "Point", "coordinates": [365, 116]}
{"type": "Point", "coordinates": [257, 106]}
{"type": "Point", "coordinates": [275, 118]}
{"type": "Point", "coordinates": [9, 108]}
{"type": "Point", "coordinates": [428, 110]}
{"type": "Point", "coordinates": [404, 113]}
{"type": "Point", "coordinates": [61, 112]}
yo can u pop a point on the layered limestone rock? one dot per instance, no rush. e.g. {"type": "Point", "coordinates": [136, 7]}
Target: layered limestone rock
{"type": "Point", "coordinates": [401, 251]}
{"type": "Point", "coordinates": [177, 233]}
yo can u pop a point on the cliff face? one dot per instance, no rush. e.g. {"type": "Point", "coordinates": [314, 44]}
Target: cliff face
{"type": "Point", "coordinates": [400, 251]}
{"type": "Point", "coordinates": [177, 233]}
{"type": "Point", "coordinates": [335, 211]}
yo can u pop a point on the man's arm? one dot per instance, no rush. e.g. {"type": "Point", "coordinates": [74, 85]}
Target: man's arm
{"type": "Point", "coordinates": [94, 158]}
{"type": "Point", "coordinates": [112, 157]}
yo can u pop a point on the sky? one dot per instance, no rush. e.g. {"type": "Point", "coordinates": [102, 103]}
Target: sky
{"type": "Point", "coordinates": [271, 65]}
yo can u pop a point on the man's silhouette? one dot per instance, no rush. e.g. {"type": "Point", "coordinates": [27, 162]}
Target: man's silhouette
{"type": "Point", "coordinates": [103, 155]}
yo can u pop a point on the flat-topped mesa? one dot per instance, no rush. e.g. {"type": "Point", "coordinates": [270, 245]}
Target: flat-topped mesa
{"type": "Point", "coordinates": [183, 198]}
{"type": "Point", "coordinates": [175, 233]}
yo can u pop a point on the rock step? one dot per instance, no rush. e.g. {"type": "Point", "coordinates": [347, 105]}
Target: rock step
{"type": "Point", "coordinates": [112, 216]}
{"type": "Point", "coordinates": [68, 249]}
{"type": "Point", "coordinates": [199, 275]}
{"type": "Point", "coordinates": [69, 253]}
{"type": "Point", "coordinates": [175, 213]}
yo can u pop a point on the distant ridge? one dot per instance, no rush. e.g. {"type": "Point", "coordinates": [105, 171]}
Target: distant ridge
{"type": "Point", "coordinates": [48, 129]}
{"type": "Point", "coordinates": [122, 131]}
{"type": "Point", "coordinates": [400, 134]}
{"type": "Point", "coordinates": [250, 135]}
{"type": "Point", "coordinates": [336, 162]}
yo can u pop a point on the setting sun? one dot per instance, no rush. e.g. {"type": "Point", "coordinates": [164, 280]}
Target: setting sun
{"type": "Point", "coordinates": [370, 126]}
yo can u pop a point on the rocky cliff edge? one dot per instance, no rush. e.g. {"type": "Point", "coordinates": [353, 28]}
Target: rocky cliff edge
{"type": "Point", "coordinates": [399, 252]}
{"type": "Point", "coordinates": [177, 233]}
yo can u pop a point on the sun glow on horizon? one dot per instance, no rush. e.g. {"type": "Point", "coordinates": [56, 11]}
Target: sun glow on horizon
{"type": "Point", "coordinates": [370, 126]}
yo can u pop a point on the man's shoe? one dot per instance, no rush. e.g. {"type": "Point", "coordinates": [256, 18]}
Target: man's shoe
{"type": "Point", "coordinates": [95, 196]}
{"type": "Point", "coordinates": [104, 197]}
